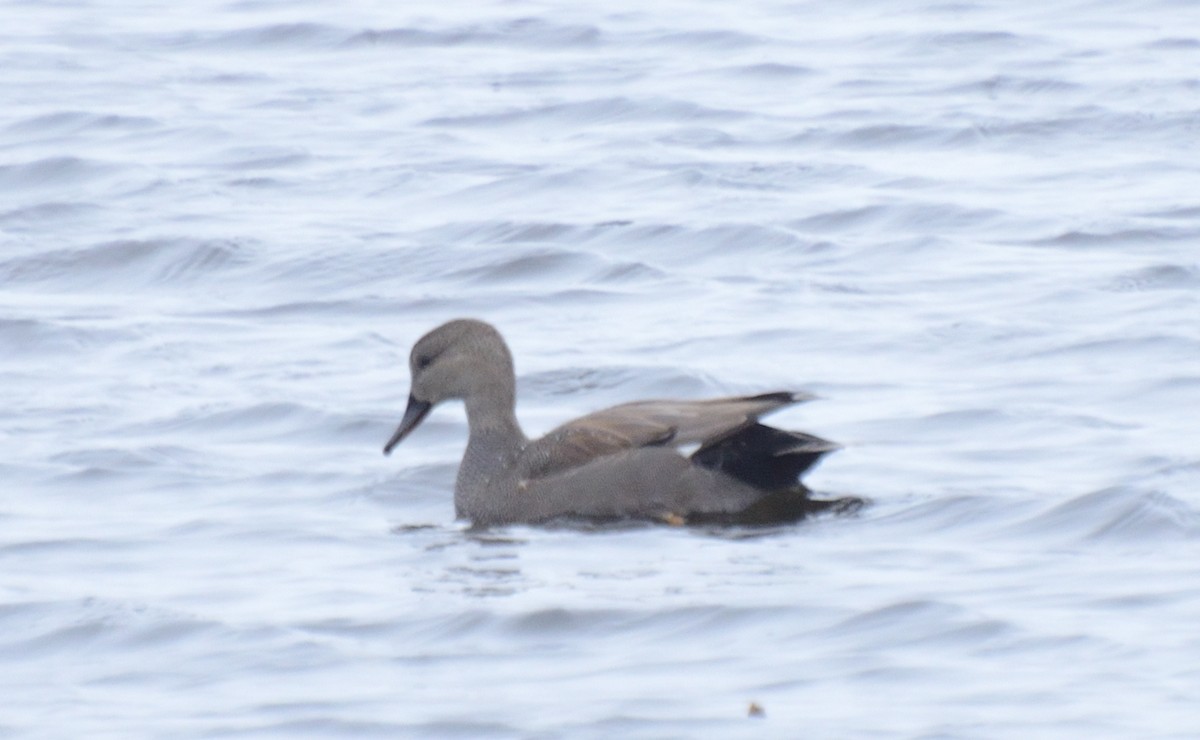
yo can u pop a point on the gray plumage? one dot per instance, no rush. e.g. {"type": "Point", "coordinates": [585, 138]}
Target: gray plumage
{"type": "Point", "coordinates": [621, 462]}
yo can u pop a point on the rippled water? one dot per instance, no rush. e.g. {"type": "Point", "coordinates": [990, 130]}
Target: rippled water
{"type": "Point", "coordinates": [973, 228]}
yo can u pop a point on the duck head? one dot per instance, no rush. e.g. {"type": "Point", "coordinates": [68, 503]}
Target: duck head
{"type": "Point", "coordinates": [464, 359]}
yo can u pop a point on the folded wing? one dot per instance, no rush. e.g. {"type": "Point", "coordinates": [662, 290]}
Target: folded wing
{"type": "Point", "coordinates": [647, 424]}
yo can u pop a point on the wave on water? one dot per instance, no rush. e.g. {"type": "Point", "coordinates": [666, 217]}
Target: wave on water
{"type": "Point", "coordinates": [265, 38]}
{"type": "Point", "coordinates": [75, 123]}
{"type": "Point", "coordinates": [610, 111]}
{"type": "Point", "coordinates": [55, 172]}
{"type": "Point", "coordinates": [121, 265]}
{"type": "Point", "coordinates": [55, 339]}
{"type": "Point", "coordinates": [1123, 238]}
{"type": "Point", "coordinates": [1158, 277]}
{"type": "Point", "coordinates": [519, 32]}
{"type": "Point", "coordinates": [48, 214]}
{"type": "Point", "coordinates": [528, 32]}
{"type": "Point", "coordinates": [1126, 515]}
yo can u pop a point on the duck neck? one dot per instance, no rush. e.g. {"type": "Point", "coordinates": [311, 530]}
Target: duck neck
{"type": "Point", "coordinates": [494, 444]}
{"type": "Point", "coordinates": [493, 417]}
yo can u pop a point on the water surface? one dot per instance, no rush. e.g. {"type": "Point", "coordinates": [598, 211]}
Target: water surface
{"type": "Point", "coordinates": [971, 227]}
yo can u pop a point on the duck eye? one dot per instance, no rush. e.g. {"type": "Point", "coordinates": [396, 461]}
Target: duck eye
{"type": "Point", "coordinates": [424, 361]}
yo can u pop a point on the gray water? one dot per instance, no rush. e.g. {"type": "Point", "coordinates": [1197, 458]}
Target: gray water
{"type": "Point", "coordinates": [973, 228]}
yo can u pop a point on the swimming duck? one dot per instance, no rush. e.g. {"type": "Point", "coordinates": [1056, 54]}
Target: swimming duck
{"type": "Point", "coordinates": [625, 462]}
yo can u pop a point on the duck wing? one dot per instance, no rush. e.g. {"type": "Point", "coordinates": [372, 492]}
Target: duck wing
{"type": "Point", "coordinates": [647, 424]}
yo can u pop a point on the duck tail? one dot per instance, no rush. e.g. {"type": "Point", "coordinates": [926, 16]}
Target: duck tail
{"type": "Point", "coordinates": [764, 457]}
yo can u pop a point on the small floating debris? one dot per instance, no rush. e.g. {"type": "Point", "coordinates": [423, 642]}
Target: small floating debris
{"type": "Point", "coordinates": [756, 710]}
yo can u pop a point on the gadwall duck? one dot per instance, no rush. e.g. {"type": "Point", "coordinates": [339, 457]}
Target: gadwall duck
{"type": "Point", "coordinates": [619, 463]}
